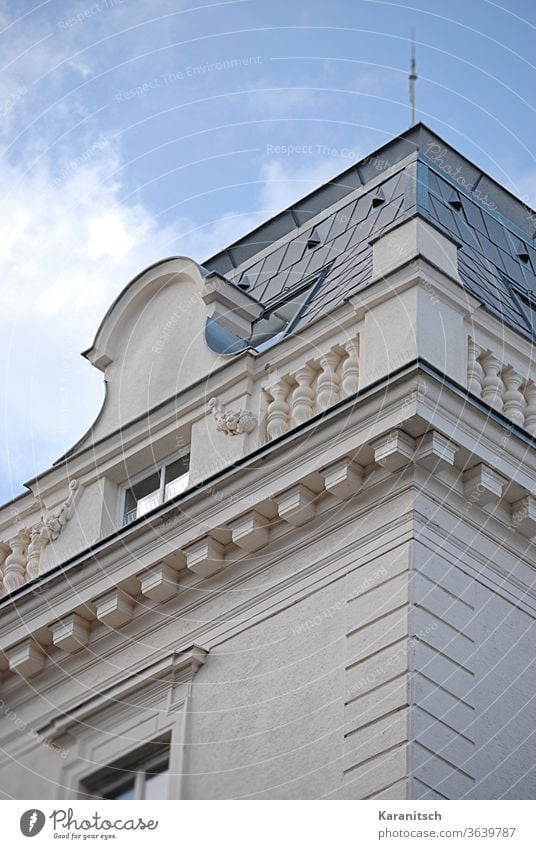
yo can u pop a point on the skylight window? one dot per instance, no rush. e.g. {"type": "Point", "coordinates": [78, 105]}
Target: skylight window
{"type": "Point", "coordinates": [283, 314]}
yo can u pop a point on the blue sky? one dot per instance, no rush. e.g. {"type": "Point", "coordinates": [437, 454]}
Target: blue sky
{"type": "Point", "coordinates": [136, 129]}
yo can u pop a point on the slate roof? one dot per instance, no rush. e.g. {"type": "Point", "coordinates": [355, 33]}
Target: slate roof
{"type": "Point", "coordinates": [304, 270]}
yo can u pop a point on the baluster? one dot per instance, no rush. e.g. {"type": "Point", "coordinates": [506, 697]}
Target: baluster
{"type": "Point", "coordinates": [530, 409]}
{"type": "Point", "coordinates": [475, 372]}
{"type": "Point", "coordinates": [277, 415]}
{"type": "Point", "coordinates": [37, 543]}
{"type": "Point", "coordinates": [492, 385]}
{"type": "Point", "coordinates": [350, 368]}
{"type": "Point", "coordinates": [4, 551]}
{"type": "Point", "coordinates": [514, 401]}
{"type": "Point", "coordinates": [303, 397]}
{"type": "Point", "coordinates": [15, 565]}
{"type": "Point", "coordinates": [327, 387]}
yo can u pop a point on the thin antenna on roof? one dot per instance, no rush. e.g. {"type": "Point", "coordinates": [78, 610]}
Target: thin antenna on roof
{"type": "Point", "coordinates": [412, 77]}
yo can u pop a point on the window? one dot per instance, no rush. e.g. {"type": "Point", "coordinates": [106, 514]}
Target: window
{"type": "Point", "coordinates": [142, 776]}
{"type": "Point", "coordinates": [154, 488]}
{"type": "Point", "coordinates": [280, 316]}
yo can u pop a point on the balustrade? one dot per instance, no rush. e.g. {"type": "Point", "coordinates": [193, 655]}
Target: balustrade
{"type": "Point", "coordinates": [502, 387]}
{"type": "Point", "coordinates": [318, 385]}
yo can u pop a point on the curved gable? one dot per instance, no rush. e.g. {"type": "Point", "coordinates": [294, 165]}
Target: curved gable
{"type": "Point", "coordinates": [150, 345]}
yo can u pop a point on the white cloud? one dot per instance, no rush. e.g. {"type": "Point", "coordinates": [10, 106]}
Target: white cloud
{"type": "Point", "coordinates": [68, 246]}
{"type": "Point", "coordinates": [69, 243]}
{"type": "Point", "coordinates": [108, 236]}
{"type": "Point", "coordinates": [66, 249]}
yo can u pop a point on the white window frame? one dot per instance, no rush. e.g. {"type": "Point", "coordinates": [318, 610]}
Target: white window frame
{"type": "Point", "coordinates": [150, 703]}
{"type": "Point", "coordinates": [136, 766]}
{"type": "Point", "coordinates": [160, 469]}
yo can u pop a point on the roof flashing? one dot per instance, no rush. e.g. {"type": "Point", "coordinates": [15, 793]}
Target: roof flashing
{"type": "Point", "coordinates": [420, 141]}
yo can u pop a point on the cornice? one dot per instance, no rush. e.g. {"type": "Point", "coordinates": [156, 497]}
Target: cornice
{"type": "Point", "coordinates": [211, 512]}
{"type": "Point", "coordinates": [279, 594]}
{"type": "Point", "coordinates": [356, 441]}
{"type": "Point", "coordinates": [179, 665]}
{"type": "Point", "coordinates": [422, 406]}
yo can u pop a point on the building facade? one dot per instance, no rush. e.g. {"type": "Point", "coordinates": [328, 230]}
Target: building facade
{"type": "Point", "coordinates": [293, 558]}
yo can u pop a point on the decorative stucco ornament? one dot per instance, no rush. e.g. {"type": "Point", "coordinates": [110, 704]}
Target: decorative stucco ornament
{"type": "Point", "coordinates": [24, 549]}
{"type": "Point", "coordinates": [232, 422]}
{"type": "Point", "coordinates": [48, 530]}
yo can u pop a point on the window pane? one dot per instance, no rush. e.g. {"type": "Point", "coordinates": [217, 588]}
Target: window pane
{"type": "Point", "coordinates": [141, 497]}
{"type": "Point", "coordinates": [175, 487]}
{"type": "Point", "coordinates": [146, 486]}
{"type": "Point", "coordinates": [176, 477]}
{"type": "Point", "coordinates": [142, 774]}
{"type": "Point", "coordinates": [177, 469]}
{"type": "Point", "coordinates": [130, 502]}
{"type": "Point", "coordinates": [145, 504]}
{"type": "Point", "coordinates": [156, 786]}
{"type": "Point", "coordinates": [123, 793]}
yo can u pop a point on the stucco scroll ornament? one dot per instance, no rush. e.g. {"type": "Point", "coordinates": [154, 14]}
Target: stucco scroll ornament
{"type": "Point", "coordinates": [232, 422]}
{"type": "Point", "coordinates": [48, 530]}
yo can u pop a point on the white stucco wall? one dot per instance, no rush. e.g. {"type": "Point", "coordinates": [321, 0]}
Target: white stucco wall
{"type": "Point", "coordinates": [380, 649]}
{"type": "Point", "coordinates": [390, 669]}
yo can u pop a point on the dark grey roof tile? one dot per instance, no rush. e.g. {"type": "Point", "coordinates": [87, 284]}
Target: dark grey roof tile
{"type": "Point", "coordinates": [490, 265]}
